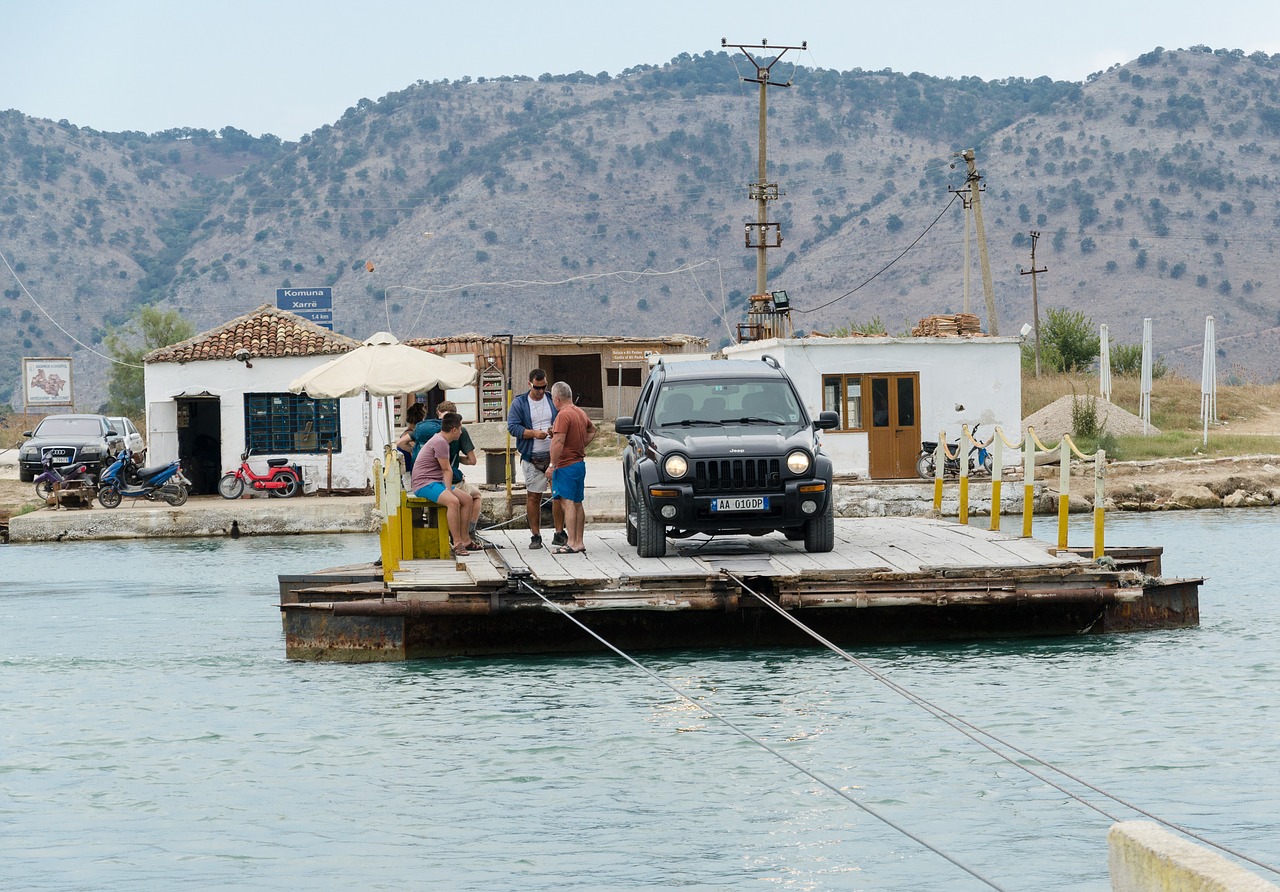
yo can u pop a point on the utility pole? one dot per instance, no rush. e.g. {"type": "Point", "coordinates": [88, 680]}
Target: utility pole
{"type": "Point", "coordinates": [974, 183]}
{"type": "Point", "coordinates": [763, 235]}
{"type": "Point", "coordinates": [1035, 294]}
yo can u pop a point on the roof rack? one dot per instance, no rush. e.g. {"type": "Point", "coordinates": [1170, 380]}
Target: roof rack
{"type": "Point", "coordinates": [773, 362]}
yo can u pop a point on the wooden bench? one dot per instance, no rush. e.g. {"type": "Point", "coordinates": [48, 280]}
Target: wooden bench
{"type": "Point", "coordinates": [429, 527]}
{"type": "Point", "coordinates": [72, 494]}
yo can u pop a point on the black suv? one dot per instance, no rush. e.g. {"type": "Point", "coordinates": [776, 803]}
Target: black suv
{"type": "Point", "coordinates": [64, 439]}
{"type": "Point", "coordinates": [725, 446]}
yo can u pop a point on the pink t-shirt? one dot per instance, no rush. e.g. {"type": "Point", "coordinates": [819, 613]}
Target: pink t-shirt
{"type": "Point", "coordinates": [426, 467]}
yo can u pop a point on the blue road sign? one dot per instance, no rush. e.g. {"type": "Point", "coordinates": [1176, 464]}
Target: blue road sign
{"type": "Point", "coordinates": [312, 304]}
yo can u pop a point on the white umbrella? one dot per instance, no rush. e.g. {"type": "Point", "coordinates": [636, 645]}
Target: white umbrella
{"type": "Point", "coordinates": [1104, 363]}
{"type": "Point", "coordinates": [1144, 397]}
{"type": "Point", "coordinates": [1209, 379]}
{"type": "Point", "coordinates": [383, 366]}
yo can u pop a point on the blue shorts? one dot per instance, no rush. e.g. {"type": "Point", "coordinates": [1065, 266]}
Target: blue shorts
{"type": "Point", "coordinates": [569, 482]}
{"type": "Point", "coordinates": [430, 491]}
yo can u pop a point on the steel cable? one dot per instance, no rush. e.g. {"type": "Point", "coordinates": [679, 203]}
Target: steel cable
{"type": "Point", "coordinates": [760, 743]}
{"type": "Point", "coordinates": [965, 727]}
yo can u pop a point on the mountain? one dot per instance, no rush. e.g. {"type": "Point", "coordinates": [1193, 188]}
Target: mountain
{"type": "Point", "coordinates": [1150, 182]}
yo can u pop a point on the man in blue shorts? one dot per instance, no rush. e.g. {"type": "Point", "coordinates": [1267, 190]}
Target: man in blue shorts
{"type": "Point", "coordinates": [433, 479]}
{"type": "Point", "coordinates": [570, 434]}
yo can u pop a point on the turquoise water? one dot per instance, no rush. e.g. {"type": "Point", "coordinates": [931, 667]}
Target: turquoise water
{"type": "Point", "coordinates": [152, 736]}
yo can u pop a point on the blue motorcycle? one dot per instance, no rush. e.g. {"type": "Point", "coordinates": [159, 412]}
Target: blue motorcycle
{"type": "Point", "coordinates": [125, 480]}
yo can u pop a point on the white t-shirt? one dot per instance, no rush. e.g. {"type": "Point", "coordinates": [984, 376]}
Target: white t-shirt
{"type": "Point", "coordinates": [540, 414]}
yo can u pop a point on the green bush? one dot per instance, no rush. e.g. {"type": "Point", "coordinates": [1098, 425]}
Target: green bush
{"type": "Point", "coordinates": [1068, 337]}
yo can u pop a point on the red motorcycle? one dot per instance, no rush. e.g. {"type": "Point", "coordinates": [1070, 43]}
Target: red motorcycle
{"type": "Point", "coordinates": [281, 480]}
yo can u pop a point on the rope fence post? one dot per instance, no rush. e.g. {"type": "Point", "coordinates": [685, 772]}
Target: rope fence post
{"type": "Point", "coordinates": [962, 456]}
{"type": "Point", "coordinates": [1099, 499]}
{"type": "Point", "coordinates": [1028, 481]}
{"type": "Point", "coordinates": [939, 465]}
{"type": "Point", "coordinates": [997, 461]}
{"type": "Point", "coordinates": [1064, 486]}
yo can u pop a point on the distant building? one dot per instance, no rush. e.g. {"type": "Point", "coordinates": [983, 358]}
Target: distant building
{"type": "Point", "coordinates": [226, 391]}
{"type": "Point", "coordinates": [891, 393]}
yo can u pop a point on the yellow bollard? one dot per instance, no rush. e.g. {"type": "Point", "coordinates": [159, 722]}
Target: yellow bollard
{"type": "Point", "coordinates": [1028, 481]}
{"type": "Point", "coordinates": [1064, 485]}
{"type": "Point", "coordinates": [962, 450]}
{"type": "Point", "coordinates": [1099, 499]}
{"type": "Point", "coordinates": [939, 464]}
{"type": "Point", "coordinates": [997, 460]}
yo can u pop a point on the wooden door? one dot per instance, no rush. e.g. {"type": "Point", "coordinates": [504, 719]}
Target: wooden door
{"type": "Point", "coordinates": [893, 437]}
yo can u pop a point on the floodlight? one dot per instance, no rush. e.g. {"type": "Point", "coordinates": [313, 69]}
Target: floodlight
{"type": "Point", "coordinates": [781, 302]}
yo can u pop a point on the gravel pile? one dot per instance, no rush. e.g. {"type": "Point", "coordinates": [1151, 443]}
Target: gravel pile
{"type": "Point", "coordinates": [1054, 420]}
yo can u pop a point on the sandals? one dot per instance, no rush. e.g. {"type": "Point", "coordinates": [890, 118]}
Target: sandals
{"type": "Point", "coordinates": [565, 549]}
{"type": "Point", "coordinates": [460, 551]}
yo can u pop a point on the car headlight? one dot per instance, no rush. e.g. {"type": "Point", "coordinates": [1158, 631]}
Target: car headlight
{"type": "Point", "coordinates": [798, 462]}
{"type": "Point", "coordinates": [676, 466]}
{"type": "Point", "coordinates": [28, 454]}
{"type": "Point", "coordinates": [90, 451]}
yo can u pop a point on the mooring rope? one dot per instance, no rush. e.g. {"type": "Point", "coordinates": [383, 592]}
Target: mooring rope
{"type": "Point", "coordinates": [965, 727]}
{"type": "Point", "coordinates": [760, 743]}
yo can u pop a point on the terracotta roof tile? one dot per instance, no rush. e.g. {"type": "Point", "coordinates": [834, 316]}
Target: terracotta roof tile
{"type": "Point", "coordinates": [266, 332]}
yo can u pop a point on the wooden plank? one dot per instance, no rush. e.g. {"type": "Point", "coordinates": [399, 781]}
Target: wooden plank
{"type": "Point", "coordinates": [481, 569]}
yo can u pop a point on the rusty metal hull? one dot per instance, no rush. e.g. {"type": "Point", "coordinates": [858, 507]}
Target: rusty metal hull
{"type": "Point", "coordinates": [376, 630]}
{"type": "Point", "coordinates": [886, 581]}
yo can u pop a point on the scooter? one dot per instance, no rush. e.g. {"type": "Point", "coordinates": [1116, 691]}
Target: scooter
{"type": "Point", "coordinates": [980, 459]}
{"type": "Point", "coordinates": [281, 480]}
{"type": "Point", "coordinates": [125, 480]}
{"type": "Point", "coordinates": [53, 478]}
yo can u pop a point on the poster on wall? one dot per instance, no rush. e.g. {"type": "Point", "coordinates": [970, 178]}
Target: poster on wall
{"type": "Point", "coordinates": [46, 381]}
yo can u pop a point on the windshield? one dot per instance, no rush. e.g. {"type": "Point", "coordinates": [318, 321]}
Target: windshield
{"type": "Point", "coordinates": [69, 427]}
{"type": "Point", "coordinates": [742, 403]}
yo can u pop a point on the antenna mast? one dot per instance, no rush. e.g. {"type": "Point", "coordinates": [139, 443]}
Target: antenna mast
{"type": "Point", "coordinates": [766, 317]}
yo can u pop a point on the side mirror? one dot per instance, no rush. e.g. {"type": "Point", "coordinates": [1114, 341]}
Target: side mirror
{"type": "Point", "coordinates": [626, 425]}
{"type": "Point", "coordinates": [827, 421]}
{"type": "Point", "coordinates": [28, 433]}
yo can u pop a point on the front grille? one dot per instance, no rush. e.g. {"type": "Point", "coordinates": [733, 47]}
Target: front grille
{"type": "Point", "coordinates": [58, 454]}
{"type": "Point", "coordinates": [737, 475]}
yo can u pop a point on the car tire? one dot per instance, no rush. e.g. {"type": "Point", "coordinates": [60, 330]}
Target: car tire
{"type": "Point", "coordinates": [629, 516]}
{"type": "Point", "coordinates": [26, 476]}
{"type": "Point", "coordinates": [651, 536]}
{"type": "Point", "coordinates": [820, 532]}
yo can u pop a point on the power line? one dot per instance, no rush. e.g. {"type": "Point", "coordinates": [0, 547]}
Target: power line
{"type": "Point", "coordinates": [886, 266]}
{"type": "Point", "coordinates": [55, 322]}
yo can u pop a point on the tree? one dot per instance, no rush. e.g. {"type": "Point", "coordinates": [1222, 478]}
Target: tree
{"type": "Point", "coordinates": [1071, 339]}
{"type": "Point", "coordinates": [149, 329]}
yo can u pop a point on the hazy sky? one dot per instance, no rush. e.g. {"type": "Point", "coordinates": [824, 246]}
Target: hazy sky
{"type": "Point", "coordinates": [287, 67]}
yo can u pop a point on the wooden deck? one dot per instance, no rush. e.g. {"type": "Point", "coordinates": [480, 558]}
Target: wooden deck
{"type": "Point", "coordinates": [929, 579]}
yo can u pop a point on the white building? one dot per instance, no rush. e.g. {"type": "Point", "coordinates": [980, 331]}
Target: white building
{"type": "Point", "coordinates": [226, 391]}
{"type": "Point", "coordinates": [891, 393]}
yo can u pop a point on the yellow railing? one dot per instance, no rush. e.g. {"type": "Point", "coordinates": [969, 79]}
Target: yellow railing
{"type": "Point", "coordinates": [1029, 445]}
{"type": "Point", "coordinates": [387, 500]}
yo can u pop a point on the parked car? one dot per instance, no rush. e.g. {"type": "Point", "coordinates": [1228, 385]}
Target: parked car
{"type": "Point", "coordinates": [66, 439]}
{"type": "Point", "coordinates": [725, 446]}
{"type": "Point", "coordinates": [133, 440]}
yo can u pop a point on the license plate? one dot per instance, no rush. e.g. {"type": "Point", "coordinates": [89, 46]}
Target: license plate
{"type": "Point", "coordinates": [58, 456]}
{"type": "Point", "coordinates": [753, 503]}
